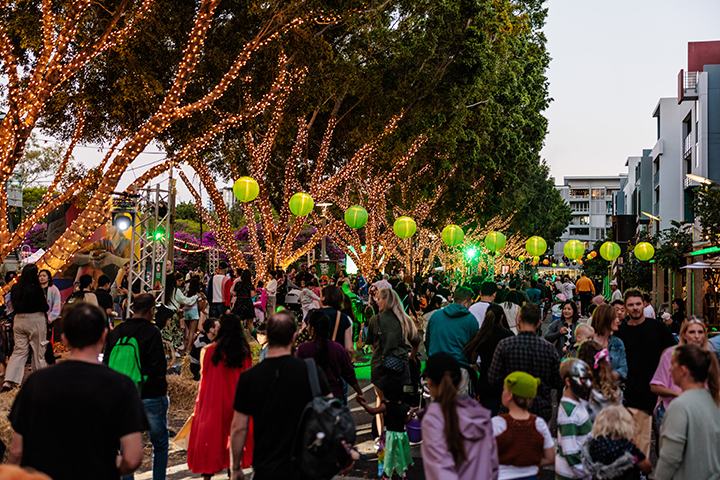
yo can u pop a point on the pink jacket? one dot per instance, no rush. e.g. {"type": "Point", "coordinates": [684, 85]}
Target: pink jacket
{"type": "Point", "coordinates": [480, 446]}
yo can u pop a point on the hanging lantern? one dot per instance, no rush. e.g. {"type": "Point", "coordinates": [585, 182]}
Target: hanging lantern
{"type": "Point", "coordinates": [301, 204]}
{"type": "Point", "coordinates": [536, 259]}
{"type": "Point", "coordinates": [534, 263]}
{"type": "Point", "coordinates": [536, 245]}
{"type": "Point", "coordinates": [644, 251]}
{"type": "Point", "coordinates": [356, 217]}
{"type": "Point", "coordinates": [546, 261]}
{"type": "Point", "coordinates": [562, 264]}
{"type": "Point", "coordinates": [592, 254]}
{"type": "Point", "coordinates": [574, 249]}
{"type": "Point", "coordinates": [610, 251]}
{"type": "Point", "coordinates": [580, 262]}
{"type": "Point", "coordinates": [453, 235]}
{"type": "Point", "coordinates": [554, 264]}
{"type": "Point", "coordinates": [521, 258]}
{"type": "Point", "coordinates": [404, 227]}
{"type": "Point", "coordinates": [495, 241]}
{"type": "Point", "coordinates": [246, 189]}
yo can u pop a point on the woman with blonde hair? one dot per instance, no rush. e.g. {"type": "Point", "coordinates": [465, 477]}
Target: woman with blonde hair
{"type": "Point", "coordinates": [395, 341]}
{"type": "Point", "coordinates": [692, 331]}
{"type": "Point", "coordinates": [610, 453]}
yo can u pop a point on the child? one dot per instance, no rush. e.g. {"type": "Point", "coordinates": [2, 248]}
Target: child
{"type": "Point", "coordinates": [306, 299]}
{"type": "Point", "coordinates": [397, 456]}
{"type": "Point", "coordinates": [610, 454]}
{"type": "Point", "coordinates": [524, 441]}
{"type": "Point", "coordinates": [605, 391]}
{"type": "Point", "coordinates": [582, 332]}
{"type": "Point", "coordinates": [573, 421]}
{"type": "Point", "coordinates": [557, 306]}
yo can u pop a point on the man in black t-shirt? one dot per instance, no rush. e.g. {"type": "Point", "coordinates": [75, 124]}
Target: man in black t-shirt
{"type": "Point", "coordinates": [274, 393]}
{"type": "Point", "coordinates": [102, 293]}
{"type": "Point", "coordinates": [645, 340]}
{"type": "Point", "coordinates": [99, 410]}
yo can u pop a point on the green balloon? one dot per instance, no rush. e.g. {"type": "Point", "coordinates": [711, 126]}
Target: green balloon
{"type": "Point", "coordinates": [356, 217]}
{"type": "Point", "coordinates": [610, 251]}
{"type": "Point", "coordinates": [574, 249]}
{"type": "Point", "coordinates": [301, 204]}
{"type": "Point", "coordinates": [246, 189]}
{"type": "Point", "coordinates": [521, 258]}
{"type": "Point", "coordinates": [644, 251]}
{"type": "Point", "coordinates": [404, 227]}
{"type": "Point", "coordinates": [536, 246]}
{"type": "Point", "coordinates": [453, 235]}
{"type": "Point", "coordinates": [495, 241]}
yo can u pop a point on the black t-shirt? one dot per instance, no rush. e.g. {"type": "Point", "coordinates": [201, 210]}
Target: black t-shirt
{"type": "Point", "coordinates": [275, 392]}
{"type": "Point", "coordinates": [345, 323]}
{"type": "Point", "coordinates": [644, 345]}
{"type": "Point", "coordinates": [95, 405]}
{"type": "Point", "coordinates": [395, 415]}
{"type": "Point", "coordinates": [104, 299]}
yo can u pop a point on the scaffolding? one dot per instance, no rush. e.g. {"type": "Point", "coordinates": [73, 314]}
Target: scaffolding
{"type": "Point", "coordinates": [151, 241]}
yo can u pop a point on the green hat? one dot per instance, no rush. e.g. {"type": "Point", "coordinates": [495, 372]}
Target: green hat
{"type": "Point", "coordinates": [522, 384]}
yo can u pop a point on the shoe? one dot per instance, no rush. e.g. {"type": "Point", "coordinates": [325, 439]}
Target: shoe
{"type": "Point", "coordinates": [177, 355]}
{"type": "Point", "coordinates": [6, 388]}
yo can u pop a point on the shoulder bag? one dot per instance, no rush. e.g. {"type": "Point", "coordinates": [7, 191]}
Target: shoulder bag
{"type": "Point", "coordinates": [390, 363]}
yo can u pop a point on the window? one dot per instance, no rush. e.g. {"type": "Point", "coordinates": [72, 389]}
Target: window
{"type": "Point", "coordinates": [579, 193]}
{"type": "Point", "coordinates": [579, 231]}
{"type": "Point", "coordinates": [598, 193]}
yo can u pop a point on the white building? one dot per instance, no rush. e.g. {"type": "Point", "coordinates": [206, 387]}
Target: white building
{"type": "Point", "coordinates": [229, 197]}
{"type": "Point", "coordinates": [591, 202]}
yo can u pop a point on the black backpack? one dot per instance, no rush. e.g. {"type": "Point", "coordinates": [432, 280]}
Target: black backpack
{"type": "Point", "coordinates": [318, 452]}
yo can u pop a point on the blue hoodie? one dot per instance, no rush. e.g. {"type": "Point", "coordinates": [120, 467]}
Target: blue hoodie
{"type": "Point", "coordinates": [449, 330]}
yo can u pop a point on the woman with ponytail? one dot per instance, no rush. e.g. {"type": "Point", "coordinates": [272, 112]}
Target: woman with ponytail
{"type": "Point", "coordinates": [463, 444]}
{"type": "Point", "coordinates": [691, 429]}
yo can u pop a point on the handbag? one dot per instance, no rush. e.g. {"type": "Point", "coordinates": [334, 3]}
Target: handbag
{"type": "Point", "coordinates": [393, 364]}
{"type": "Point", "coordinates": [183, 436]}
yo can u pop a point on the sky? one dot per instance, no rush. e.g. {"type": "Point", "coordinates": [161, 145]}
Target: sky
{"type": "Point", "coordinates": [612, 60]}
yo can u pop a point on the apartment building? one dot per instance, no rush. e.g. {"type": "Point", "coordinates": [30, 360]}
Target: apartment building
{"type": "Point", "coordinates": [592, 205]}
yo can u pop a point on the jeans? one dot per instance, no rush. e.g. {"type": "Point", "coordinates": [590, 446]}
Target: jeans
{"type": "Point", "coordinates": [156, 410]}
{"type": "Point", "coordinates": [660, 414]}
{"type": "Point", "coordinates": [217, 309]}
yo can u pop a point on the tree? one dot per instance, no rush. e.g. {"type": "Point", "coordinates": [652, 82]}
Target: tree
{"type": "Point", "coordinates": [674, 243]}
{"type": "Point", "coordinates": [636, 273]}
{"type": "Point", "coordinates": [707, 208]}
{"type": "Point", "coordinates": [598, 266]}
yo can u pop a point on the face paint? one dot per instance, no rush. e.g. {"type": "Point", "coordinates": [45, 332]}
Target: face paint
{"type": "Point", "coordinates": [581, 380]}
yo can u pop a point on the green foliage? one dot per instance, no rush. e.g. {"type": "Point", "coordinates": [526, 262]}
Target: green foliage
{"type": "Point", "coordinates": [674, 243]}
{"type": "Point", "coordinates": [636, 273]}
{"type": "Point", "coordinates": [598, 266]}
{"type": "Point", "coordinates": [40, 161]}
{"type": "Point", "coordinates": [707, 208]}
{"type": "Point", "coordinates": [31, 197]}
{"type": "Point", "coordinates": [186, 211]}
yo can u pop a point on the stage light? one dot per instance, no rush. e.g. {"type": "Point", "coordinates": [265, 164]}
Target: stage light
{"type": "Point", "coordinates": [122, 221]}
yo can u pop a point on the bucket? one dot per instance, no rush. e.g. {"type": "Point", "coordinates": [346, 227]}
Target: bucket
{"type": "Point", "coordinates": [414, 431]}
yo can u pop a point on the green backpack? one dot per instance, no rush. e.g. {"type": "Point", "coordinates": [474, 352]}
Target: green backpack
{"type": "Point", "coordinates": [125, 358]}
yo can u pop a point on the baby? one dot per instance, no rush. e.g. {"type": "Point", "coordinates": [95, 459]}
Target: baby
{"type": "Point", "coordinates": [582, 332]}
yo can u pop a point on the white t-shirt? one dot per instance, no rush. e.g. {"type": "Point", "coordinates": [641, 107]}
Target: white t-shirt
{"type": "Point", "coordinates": [271, 287]}
{"type": "Point", "coordinates": [478, 309]}
{"type": "Point", "coordinates": [616, 295]}
{"type": "Point", "coordinates": [649, 312]}
{"type": "Point", "coordinates": [217, 285]}
{"type": "Point", "coordinates": [508, 472]}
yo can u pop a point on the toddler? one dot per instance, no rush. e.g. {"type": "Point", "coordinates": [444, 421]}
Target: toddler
{"type": "Point", "coordinates": [524, 440]}
{"type": "Point", "coordinates": [610, 453]}
{"type": "Point", "coordinates": [582, 332]}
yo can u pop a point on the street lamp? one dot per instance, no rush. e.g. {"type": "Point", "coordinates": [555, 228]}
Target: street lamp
{"type": "Point", "coordinates": [699, 179]}
{"type": "Point", "coordinates": [653, 218]}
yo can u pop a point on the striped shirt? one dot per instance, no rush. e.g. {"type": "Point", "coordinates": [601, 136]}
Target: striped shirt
{"type": "Point", "coordinates": [573, 423]}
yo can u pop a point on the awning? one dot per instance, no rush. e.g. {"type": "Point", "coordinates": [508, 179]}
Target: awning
{"type": "Point", "coordinates": [710, 263]}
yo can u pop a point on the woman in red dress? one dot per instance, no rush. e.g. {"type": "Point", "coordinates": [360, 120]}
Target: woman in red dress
{"type": "Point", "coordinates": [222, 363]}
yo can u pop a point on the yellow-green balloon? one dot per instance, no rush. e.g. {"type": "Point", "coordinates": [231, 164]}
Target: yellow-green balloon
{"type": "Point", "coordinates": [521, 258]}
{"type": "Point", "coordinates": [609, 251]}
{"type": "Point", "coordinates": [554, 264]}
{"type": "Point", "coordinates": [246, 189]}
{"type": "Point", "coordinates": [562, 264]}
{"type": "Point", "coordinates": [356, 217]}
{"type": "Point", "coordinates": [644, 251]}
{"type": "Point", "coordinates": [495, 241]}
{"type": "Point", "coordinates": [404, 227]}
{"type": "Point", "coordinates": [453, 235]}
{"type": "Point", "coordinates": [536, 258]}
{"type": "Point", "coordinates": [301, 204]}
{"type": "Point", "coordinates": [574, 249]}
{"type": "Point", "coordinates": [536, 245]}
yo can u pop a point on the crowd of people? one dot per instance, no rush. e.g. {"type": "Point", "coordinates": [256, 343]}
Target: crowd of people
{"type": "Point", "coordinates": [507, 362]}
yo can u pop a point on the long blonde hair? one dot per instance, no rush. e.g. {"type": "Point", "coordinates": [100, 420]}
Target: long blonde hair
{"type": "Point", "coordinates": [693, 321]}
{"type": "Point", "coordinates": [394, 305]}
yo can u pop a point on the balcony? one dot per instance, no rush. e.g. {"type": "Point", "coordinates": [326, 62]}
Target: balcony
{"type": "Point", "coordinates": [687, 85]}
{"type": "Point", "coordinates": [656, 178]}
{"type": "Point", "coordinates": [688, 143]}
{"type": "Point", "coordinates": [656, 209]}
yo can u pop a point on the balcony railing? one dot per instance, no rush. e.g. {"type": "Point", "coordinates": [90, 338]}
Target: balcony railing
{"type": "Point", "coordinates": [687, 85]}
{"type": "Point", "coordinates": [656, 209]}
{"type": "Point", "coordinates": [688, 142]}
{"type": "Point", "coordinates": [656, 178]}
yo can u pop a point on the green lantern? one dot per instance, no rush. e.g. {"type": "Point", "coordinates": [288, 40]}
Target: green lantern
{"type": "Point", "coordinates": [404, 227]}
{"type": "Point", "coordinates": [610, 251]}
{"type": "Point", "coordinates": [521, 258]}
{"type": "Point", "coordinates": [554, 264]}
{"type": "Point", "coordinates": [644, 251]}
{"type": "Point", "coordinates": [536, 259]}
{"type": "Point", "coordinates": [536, 245]}
{"type": "Point", "coordinates": [356, 217]}
{"type": "Point", "coordinates": [574, 249]}
{"type": "Point", "coordinates": [246, 189]}
{"type": "Point", "coordinates": [453, 235]}
{"type": "Point", "coordinates": [495, 241]}
{"type": "Point", "coordinates": [301, 204]}
{"type": "Point", "coordinates": [562, 264]}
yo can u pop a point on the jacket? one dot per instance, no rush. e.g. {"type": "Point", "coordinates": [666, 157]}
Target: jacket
{"type": "Point", "coordinates": [480, 447]}
{"type": "Point", "coordinates": [393, 343]}
{"type": "Point", "coordinates": [449, 330]}
{"type": "Point", "coordinates": [152, 353]}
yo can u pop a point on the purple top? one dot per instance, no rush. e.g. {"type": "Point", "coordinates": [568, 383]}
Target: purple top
{"type": "Point", "coordinates": [340, 366]}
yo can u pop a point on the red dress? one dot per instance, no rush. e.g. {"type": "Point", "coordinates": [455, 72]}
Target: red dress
{"type": "Point", "coordinates": [209, 444]}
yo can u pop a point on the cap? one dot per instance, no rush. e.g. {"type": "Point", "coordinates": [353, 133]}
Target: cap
{"type": "Point", "coordinates": [613, 283]}
{"type": "Point", "coordinates": [561, 297]}
{"type": "Point", "coordinates": [522, 384]}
